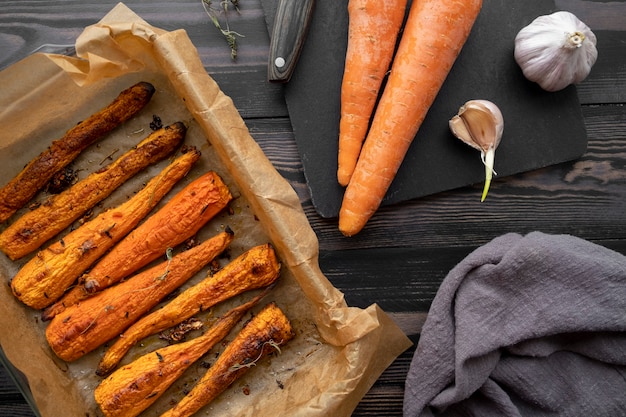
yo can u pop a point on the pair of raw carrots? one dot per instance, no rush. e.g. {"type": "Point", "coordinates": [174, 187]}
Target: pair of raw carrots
{"type": "Point", "coordinates": [433, 35]}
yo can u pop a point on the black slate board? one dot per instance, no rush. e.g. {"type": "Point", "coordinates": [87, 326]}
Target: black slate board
{"type": "Point", "coordinates": [540, 128]}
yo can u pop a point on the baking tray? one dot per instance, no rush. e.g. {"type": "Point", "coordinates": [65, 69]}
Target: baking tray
{"type": "Point", "coordinates": [338, 352]}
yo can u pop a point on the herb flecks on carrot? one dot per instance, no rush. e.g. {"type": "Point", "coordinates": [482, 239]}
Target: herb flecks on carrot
{"type": "Point", "coordinates": [36, 227]}
{"type": "Point", "coordinates": [267, 332]}
{"type": "Point", "coordinates": [84, 326]}
{"type": "Point", "coordinates": [256, 268]}
{"type": "Point", "coordinates": [61, 152]}
{"type": "Point", "coordinates": [433, 36]}
{"type": "Point", "coordinates": [178, 220]}
{"type": "Point", "coordinates": [135, 386]}
{"type": "Point", "coordinates": [372, 35]}
{"type": "Point", "coordinates": [46, 276]}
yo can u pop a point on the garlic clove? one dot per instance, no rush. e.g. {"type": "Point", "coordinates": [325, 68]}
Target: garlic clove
{"type": "Point", "coordinates": [480, 124]}
{"type": "Point", "coordinates": [556, 50]}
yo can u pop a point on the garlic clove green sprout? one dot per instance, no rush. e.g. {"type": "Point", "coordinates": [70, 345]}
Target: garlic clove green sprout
{"type": "Point", "coordinates": [556, 50]}
{"type": "Point", "coordinates": [480, 124]}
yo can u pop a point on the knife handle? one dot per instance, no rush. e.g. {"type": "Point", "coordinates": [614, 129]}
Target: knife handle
{"type": "Point", "coordinates": [290, 27]}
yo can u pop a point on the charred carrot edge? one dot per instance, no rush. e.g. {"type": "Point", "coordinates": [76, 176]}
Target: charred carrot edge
{"type": "Point", "coordinates": [61, 152]}
{"type": "Point", "coordinates": [87, 325]}
{"type": "Point", "coordinates": [36, 227]}
{"type": "Point", "coordinates": [132, 388]}
{"type": "Point", "coordinates": [178, 220]}
{"type": "Point", "coordinates": [44, 278]}
{"type": "Point", "coordinates": [265, 333]}
{"type": "Point", "coordinates": [433, 36]}
{"type": "Point", "coordinates": [256, 268]}
{"type": "Point", "coordinates": [373, 28]}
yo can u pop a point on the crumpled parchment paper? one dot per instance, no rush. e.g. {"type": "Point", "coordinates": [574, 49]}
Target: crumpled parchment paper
{"type": "Point", "coordinates": [339, 351]}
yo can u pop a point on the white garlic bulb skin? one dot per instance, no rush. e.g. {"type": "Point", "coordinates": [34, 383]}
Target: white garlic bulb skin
{"type": "Point", "coordinates": [556, 50]}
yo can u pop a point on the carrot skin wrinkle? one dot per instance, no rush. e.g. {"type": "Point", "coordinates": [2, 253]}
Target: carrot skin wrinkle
{"type": "Point", "coordinates": [132, 388]}
{"type": "Point", "coordinates": [256, 268]}
{"type": "Point", "coordinates": [34, 228]}
{"type": "Point", "coordinates": [263, 335]}
{"type": "Point", "coordinates": [372, 35]}
{"type": "Point", "coordinates": [46, 276]}
{"type": "Point", "coordinates": [83, 327]}
{"type": "Point", "coordinates": [179, 219]}
{"type": "Point", "coordinates": [433, 36]}
{"type": "Point", "coordinates": [61, 152]}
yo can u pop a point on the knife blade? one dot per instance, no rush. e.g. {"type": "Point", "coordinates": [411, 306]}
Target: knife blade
{"type": "Point", "coordinates": [291, 25]}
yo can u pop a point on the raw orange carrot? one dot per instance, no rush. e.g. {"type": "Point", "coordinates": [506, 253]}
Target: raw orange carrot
{"type": "Point", "coordinates": [433, 36]}
{"type": "Point", "coordinates": [178, 220]}
{"type": "Point", "coordinates": [372, 34]}
{"type": "Point", "coordinates": [45, 277]}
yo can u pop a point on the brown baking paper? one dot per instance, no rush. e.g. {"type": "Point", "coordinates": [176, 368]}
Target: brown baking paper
{"type": "Point", "coordinates": [338, 352]}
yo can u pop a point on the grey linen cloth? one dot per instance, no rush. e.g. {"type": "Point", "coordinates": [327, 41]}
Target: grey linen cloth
{"type": "Point", "coordinates": [530, 325]}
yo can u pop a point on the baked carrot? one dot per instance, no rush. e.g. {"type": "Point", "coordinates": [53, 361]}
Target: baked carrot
{"type": "Point", "coordinates": [178, 220]}
{"type": "Point", "coordinates": [373, 28]}
{"type": "Point", "coordinates": [36, 227]}
{"type": "Point", "coordinates": [61, 152]}
{"type": "Point", "coordinates": [134, 387]}
{"type": "Point", "coordinates": [45, 277]}
{"type": "Point", "coordinates": [433, 36]}
{"type": "Point", "coordinates": [265, 333]}
{"type": "Point", "coordinates": [84, 326]}
{"type": "Point", "coordinates": [256, 268]}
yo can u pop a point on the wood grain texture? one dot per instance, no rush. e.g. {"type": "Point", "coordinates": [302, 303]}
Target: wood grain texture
{"type": "Point", "coordinates": [407, 249]}
{"type": "Point", "coordinates": [12, 402]}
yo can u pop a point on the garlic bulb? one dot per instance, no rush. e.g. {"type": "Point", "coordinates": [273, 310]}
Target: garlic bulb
{"type": "Point", "coordinates": [556, 50]}
{"type": "Point", "coordinates": [479, 123]}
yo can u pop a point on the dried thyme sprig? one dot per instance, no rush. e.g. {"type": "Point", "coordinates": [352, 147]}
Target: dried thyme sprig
{"type": "Point", "coordinates": [231, 36]}
{"type": "Point", "coordinates": [252, 363]}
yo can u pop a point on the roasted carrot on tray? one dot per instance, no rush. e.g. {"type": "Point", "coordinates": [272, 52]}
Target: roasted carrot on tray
{"type": "Point", "coordinates": [84, 326]}
{"type": "Point", "coordinates": [266, 333]}
{"type": "Point", "coordinates": [35, 227]}
{"type": "Point", "coordinates": [134, 387]}
{"type": "Point", "coordinates": [178, 220]}
{"type": "Point", "coordinates": [45, 277]}
{"type": "Point", "coordinates": [373, 28]}
{"type": "Point", "coordinates": [256, 268]}
{"type": "Point", "coordinates": [23, 187]}
{"type": "Point", "coordinates": [434, 33]}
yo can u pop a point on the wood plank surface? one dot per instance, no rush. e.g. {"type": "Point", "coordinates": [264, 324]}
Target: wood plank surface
{"type": "Point", "coordinates": [407, 249]}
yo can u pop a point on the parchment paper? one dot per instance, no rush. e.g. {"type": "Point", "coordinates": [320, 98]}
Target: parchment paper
{"type": "Point", "coordinates": [339, 351]}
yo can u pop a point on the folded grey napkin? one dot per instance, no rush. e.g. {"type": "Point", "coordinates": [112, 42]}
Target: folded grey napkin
{"type": "Point", "coordinates": [529, 325]}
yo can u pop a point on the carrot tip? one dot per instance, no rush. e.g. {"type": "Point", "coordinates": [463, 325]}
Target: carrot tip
{"type": "Point", "coordinates": [343, 177]}
{"type": "Point", "coordinates": [349, 225]}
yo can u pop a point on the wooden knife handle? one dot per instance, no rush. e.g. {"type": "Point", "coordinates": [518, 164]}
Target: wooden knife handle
{"type": "Point", "coordinates": [290, 27]}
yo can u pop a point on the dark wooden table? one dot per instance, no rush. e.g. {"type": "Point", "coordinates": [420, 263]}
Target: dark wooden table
{"type": "Point", "coordinates": [402, 256]}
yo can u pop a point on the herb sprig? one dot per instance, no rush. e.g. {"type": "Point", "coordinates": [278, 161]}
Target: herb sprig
{"type": "Point", "coordinates": [224, 8]}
